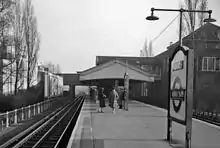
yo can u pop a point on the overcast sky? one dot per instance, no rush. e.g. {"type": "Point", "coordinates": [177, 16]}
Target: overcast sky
{"type": "Point", "coordinates": [74, 32]}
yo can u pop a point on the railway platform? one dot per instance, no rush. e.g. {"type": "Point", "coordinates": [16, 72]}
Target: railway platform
{"type": "Point", "coordinates": [141, 126]}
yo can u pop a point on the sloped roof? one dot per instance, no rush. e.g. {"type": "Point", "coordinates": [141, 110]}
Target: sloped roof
{"type": "Point", "coordinates": [107, 64]}
{"type": "Point", "coordinates": [186, 39]}
{"type": "Point", "coordinates": [190, 36]}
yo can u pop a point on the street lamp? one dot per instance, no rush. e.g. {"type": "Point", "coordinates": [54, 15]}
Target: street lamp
{"type": "Point", "coordinates": [188, 123]}
{"type": "Point", "coordinates": [152, 17]}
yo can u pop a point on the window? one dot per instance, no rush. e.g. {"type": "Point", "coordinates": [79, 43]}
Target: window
{"type": "Point", "coordinates": [210, 64]}
{"type": "Point", "coordinates": [144, 91]}
{"type": "Point", "coordinates": [217, 64]}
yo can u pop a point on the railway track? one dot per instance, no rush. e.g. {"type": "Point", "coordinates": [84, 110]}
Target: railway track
{"type": "Point", "coordinates": [54, 131]}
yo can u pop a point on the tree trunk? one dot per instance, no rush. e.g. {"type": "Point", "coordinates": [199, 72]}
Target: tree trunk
{"type": "Point", "coordinates": [16, 78]}
{"type": "Point", "coordinates": [28, 78]}
{"type": "Point", "coordinates": [28, 74]}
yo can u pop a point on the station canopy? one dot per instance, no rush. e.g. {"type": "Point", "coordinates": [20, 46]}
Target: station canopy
{"type": "Point", "coordinates": [115, 69]}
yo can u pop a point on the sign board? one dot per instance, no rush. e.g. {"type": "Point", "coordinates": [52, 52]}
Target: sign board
{"type": "Point", "coordinates": [181, 75]}
{"type": "Point", "coordinates": [178, 79]}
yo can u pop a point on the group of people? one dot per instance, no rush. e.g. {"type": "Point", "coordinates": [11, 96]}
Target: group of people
{"type": "Point", "coordinates": [115, 98]}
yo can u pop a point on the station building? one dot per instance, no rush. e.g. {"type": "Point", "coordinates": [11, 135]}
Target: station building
{"type": "Point", "coordinates": [149, 75]}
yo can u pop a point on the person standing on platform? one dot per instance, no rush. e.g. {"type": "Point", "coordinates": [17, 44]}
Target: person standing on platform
{"type": "Point", "coordinates": [90, 93]}
{"type": "Point", "coordinates": [113, 100]}
{"type": "Point", "coordinates": [101, 97]}
{"type": "Point", "coordinates": [120, 99]}
{"type": "Point", "coordinates": [95, 97]}
{"type": "Point", "coordinates": [123, 99]}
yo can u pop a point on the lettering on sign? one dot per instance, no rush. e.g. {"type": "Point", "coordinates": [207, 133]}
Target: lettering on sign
{"type": "Point", "coordinates": [178, 94]}
{"type": "Point", "coordinates": [178, 65]}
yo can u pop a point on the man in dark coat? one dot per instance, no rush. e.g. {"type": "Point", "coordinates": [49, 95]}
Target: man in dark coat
{"type": "Point", "coordinates": [122, 97]}
{"type": "Point", "coordinates": [101, 97]}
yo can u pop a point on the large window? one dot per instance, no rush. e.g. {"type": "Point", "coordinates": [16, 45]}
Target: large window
{"type": "Point", "coordinates": [144, 90]}
{"type": "Point", "coordinates": [210, 64]}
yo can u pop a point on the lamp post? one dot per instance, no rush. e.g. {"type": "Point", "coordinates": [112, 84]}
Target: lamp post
{"type": "Point", "coordinates": [181, 11]}
{"type": "Point", "coordinates": [190, 73]}
{"type": "Point", "coordinates": [1, 51]}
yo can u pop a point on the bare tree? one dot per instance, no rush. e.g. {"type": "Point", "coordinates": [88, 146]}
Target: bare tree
{"type": "Point", "coordinates": [6, 18]}
{"type": "Point", "coordinates": [145, 49]}
{"type": "Point", "coordinates": [192, 20]}
{"type": "Point", "coordinates": [32, 39]}
{"type": "Point", "coordinates": [19, 51]}
{"type": "Point", "coordinates": [150, 49]}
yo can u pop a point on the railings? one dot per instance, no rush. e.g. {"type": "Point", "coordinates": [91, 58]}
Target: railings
{"type": "Point", "coordinates": [22, 114]}
{"type": "Point", "coordinates": [212, 117]}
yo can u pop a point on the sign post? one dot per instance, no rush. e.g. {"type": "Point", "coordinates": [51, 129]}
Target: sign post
{"type": "Point", "coordinates": [179, 98]}
{"type": "Point", "coordinates": [126, 86]}
{"type": "Point", "coordinates": [190, 95]}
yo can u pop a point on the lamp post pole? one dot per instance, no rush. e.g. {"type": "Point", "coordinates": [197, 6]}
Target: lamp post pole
{"type": "Point", "coordinates": [191, 75]}
{"type": "Point", "coordinates": [1, 51]}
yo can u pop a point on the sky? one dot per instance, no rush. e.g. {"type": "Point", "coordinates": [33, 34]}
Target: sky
{"type": "Point", "coordinates": [74, 32]}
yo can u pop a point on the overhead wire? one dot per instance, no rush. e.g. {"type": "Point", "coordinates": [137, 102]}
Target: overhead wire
{"type": "Point", "coordinates": [154, 39]}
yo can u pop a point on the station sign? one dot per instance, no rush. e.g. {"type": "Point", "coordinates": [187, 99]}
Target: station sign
{"type": "Point", "coordinates": [178, 82]}
{"type": "Point", "coordinates": [178, 86]}
{"type": "Point", "coordinates": [180, 94]}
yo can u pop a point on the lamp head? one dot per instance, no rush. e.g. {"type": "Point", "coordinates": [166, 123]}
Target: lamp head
{"type": "Point", "coordinates": [152, 17]}
{"type": "Point", "coordinates": [209, 20]}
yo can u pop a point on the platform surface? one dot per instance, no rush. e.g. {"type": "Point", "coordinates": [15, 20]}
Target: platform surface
{"type": "Point", "coordinates": [142, 126]}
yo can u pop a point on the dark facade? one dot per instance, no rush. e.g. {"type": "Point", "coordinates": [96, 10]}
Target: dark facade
{"type": "Point", "coordinates": [206, 42]}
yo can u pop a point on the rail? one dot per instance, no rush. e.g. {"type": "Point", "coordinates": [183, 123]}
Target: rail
{"type": "Point", "coordinates": [22, 114]}
{"type": "Point", "coordinates": [210, 117]}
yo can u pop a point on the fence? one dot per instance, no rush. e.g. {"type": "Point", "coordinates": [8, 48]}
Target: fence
{"type": "Point", "coordinates": [22, 114]}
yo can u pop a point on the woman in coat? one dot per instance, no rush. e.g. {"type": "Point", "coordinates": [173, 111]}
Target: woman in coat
{"type": "Point", "coordinates": [101, 97]}
{"type": "Point", "coordinates": [113, 98]}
